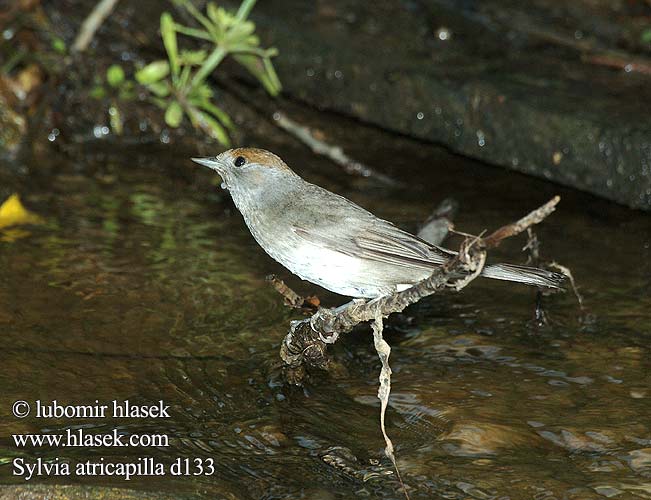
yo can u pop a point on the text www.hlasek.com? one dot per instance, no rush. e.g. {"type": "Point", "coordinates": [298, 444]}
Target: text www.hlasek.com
{"type": "Point", "coordinates": [79, 438]}
{"type": "Point", "coordinates": [91, 437]}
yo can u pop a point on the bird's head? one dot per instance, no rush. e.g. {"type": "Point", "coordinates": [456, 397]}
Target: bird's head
{"type": "Point", "coordinates": [247, 168]}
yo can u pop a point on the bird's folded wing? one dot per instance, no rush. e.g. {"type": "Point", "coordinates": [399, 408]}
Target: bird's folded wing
{"type": "Point", "coordinates": [380, 241]}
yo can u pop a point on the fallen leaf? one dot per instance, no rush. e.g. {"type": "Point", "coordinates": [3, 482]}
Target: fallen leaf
{"type": "Point", "coordinates": [13, 213]}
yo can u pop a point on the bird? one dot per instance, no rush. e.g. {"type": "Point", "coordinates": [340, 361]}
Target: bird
{"type": "Point", "coordinates": [328, 240]}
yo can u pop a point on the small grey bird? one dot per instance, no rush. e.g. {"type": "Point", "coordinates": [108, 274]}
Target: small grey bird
{"type": "Point", "coordinates": [328, 240]}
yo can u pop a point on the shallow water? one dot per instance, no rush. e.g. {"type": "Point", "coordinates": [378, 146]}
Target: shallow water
{"type": "Point", "coordinates": [144, 284]}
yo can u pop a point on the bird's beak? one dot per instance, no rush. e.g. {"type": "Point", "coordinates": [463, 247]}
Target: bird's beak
{"type": "Point", "coordinates": [210, 162]}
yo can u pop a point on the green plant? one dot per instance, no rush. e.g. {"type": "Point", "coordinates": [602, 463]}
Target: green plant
{"type": "Point", "coordinates": [118, 88]}
{"type": "Point", "coordinates": [178, 84]}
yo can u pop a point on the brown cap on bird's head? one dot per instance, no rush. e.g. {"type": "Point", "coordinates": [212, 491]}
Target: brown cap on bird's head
{"type": "Point", "coordinates": [259, 156]}
{"type": "Point", "coordinates": [239, 157]}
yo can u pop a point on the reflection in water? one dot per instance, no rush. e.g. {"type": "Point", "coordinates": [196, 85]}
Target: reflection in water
{"type": "Point", "coordinates": [142, 286]}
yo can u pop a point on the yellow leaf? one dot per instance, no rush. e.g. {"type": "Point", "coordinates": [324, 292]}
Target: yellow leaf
{"type": "Point", "coordinates": [13, 213]}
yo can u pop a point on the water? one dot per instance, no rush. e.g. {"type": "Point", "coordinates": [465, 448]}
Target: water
{"type": "Point", "coordinates": [144, 284]}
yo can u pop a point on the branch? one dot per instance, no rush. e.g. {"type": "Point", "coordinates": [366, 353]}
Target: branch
{"type": "Point", "coordinates": [532, 218]}
{"type": "Point", "coordinates": [92, 23]}
{"type": "Point", "coordinates": [333, 153]}
{"type": "Point", "coordinates": [292, 299]}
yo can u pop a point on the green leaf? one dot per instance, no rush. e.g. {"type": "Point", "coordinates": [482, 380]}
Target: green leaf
{"type": "Point", "coordinates": [193, 57]}
{"type": "Point", "coordinates": [153, 72]}
{"type": "Point", "coordinates": [240, 31]}
{"type": "Point", "coordinates": [168, 33]}
{"type": "Point", "coordinates": [263, 70]}
{"type": "Point", "coordinates": [174, 114]}
{"type": "Point", "coordinates": [115, 76]}
{"type": "Point", "coordinates": [202, 93]}
{"type": "Point", "coordinates": [159, 89]}
{"type": "Point", "coordinates": [219, 113]}
{"type": "Point", "coordinates": [58, 45]}
{"type": "Point", "coordinates": [213, 12]}
{"type": "Point", "coordinates": [161, 103]}
{"type": "Point", "coordinates": [213, 128]}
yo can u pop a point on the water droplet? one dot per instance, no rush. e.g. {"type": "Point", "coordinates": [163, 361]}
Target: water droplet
{"type": "Point", "coordinates": [97, 131]}
{"type": "Point", "coordinates": [338, 74]}
{"type": "Point", "coordinates": [443, 33]}
{"type": "Point", "coordinates": [481, 139]}
{"type": "Point", "coordinates": [165, 136]}
{"type": "Point", "coordinates": [310, 72]}
{"type": "Point", "coordinates": [52, 136]}
{"type": "Point", "coordinates": [8, 34]}
{"type": "Point", "coordinates": [557, 157]}
{"type": "Point", "coordinates": [420, 115]}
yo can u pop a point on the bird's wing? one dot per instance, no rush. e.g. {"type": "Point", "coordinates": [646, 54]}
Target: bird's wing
{"type": "Point", "coordinates": [356, 232]}
{"type": "Point", "coordinates": [377, 240]}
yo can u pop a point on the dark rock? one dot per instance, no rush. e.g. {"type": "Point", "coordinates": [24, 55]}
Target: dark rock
{"type": "Point", "coordinates": [515, 97]}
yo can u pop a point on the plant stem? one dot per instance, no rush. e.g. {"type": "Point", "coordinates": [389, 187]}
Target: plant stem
{"type": "Point", "coordinates": [209, 66]}
{"type": "Point", "coordinates": [245, 9]}
{"type": "Point", "coordinates": [197, 33]}
{"type": "Point", "coordinates": [189, 6]}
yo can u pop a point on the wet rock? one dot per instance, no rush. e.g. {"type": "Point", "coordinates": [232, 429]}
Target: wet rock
{"type": "Point", "coordinates": [13, 125]}
{"type": "Point", "coordinates": [476, 439]}
{"type": "Point", "coordinates": [492, 85]}
{"type": "Point", "coordinates": [56, 492]}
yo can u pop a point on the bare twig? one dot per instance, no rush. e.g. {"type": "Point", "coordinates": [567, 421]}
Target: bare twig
{"type": "Point", "coordinates": [92, 23]}
{"type": "Point", "coordinates": [624, 61]}
{"type": "Point", "coordinates": [566, 271]}
{"type": "Point", "coordinates": [532, 218]}
{"type": "Point", "coordinates": [292, 299]}
{"type": "Point", "coordinates": [333, 153]}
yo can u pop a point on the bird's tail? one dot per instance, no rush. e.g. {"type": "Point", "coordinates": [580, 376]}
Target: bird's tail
{"type": "Point", "coordinates": [522, 274]}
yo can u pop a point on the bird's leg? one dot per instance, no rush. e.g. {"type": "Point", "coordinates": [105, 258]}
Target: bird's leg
{"type": "Point", "coordinates": [292, 299]}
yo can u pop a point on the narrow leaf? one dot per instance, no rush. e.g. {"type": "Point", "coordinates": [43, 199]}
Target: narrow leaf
{"type": "Point", "coordinates": [213, 128]}
{"type": "Point", "coordinates": [159, 89]}
{"type": "Point", "coordinates": [219, 113]}
{"type": "Point", "coordinates": [174, 114]}
{"type": "Point", "coordinates": [168, 33]}
{"type": "Point", "coordinates": [153, 72]}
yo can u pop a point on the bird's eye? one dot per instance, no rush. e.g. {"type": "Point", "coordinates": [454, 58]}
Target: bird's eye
{"type": "Point", "coordinates": [239, 161]}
